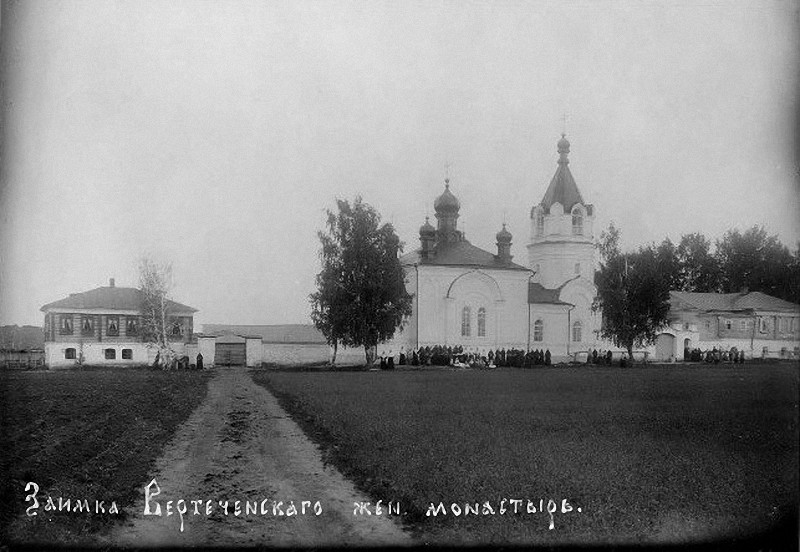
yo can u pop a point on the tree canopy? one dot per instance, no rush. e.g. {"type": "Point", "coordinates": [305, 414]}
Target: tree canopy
{"type": "Point", "coordinates": [633, 291]}
{"type": "Point", "coordinates": [361, 297]}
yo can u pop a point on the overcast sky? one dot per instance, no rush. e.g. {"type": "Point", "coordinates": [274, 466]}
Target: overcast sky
{"type": "Point", "coordinates": [215, 134]}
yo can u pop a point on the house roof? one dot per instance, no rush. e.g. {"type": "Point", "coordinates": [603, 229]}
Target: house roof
{"type": "Point", "coordinates": [459, 253]}
{"type": "Point", "coordinates": [112, 298]}
{"type": "Point", "coordinates": [281, 333]}
{"type": "Point", "coordinates": [753, 301]}
{"type": "Point", "coordinates": [21, 338]}
{"type": "Point", "coordinates": [537, 293]}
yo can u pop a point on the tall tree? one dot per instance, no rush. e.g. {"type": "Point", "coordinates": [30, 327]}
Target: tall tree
{"type": "Point", "coordinates": [155, 284]}
{"type": "Point", "coordinates": [758, 262]}
{"type": "Point", "coordinates": [667, 255]}
{"type": "Point", "coordinates": [631, 292]}
{"type": "Point", "coordinates": [361, 297]}
{"type": "Point", "coordinates": [699, 267]}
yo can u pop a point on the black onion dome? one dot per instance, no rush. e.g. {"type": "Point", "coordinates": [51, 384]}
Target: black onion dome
{"type": "Point", "coordinates": [504, 236]}
{"type": "Point", "coordinates": [447, 202]}
{"type": "Point", "coordinates": [563, 144]}
{"type": "Point", "coordinates": [427, 229]}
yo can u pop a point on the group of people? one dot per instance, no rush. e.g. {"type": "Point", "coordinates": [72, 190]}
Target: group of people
{"type": "Point", "coordinates": [715, 356]}
{"type": "Point", "coordinates": [606, 358]}
{"type": "Point", "coordinates": [441, 355]}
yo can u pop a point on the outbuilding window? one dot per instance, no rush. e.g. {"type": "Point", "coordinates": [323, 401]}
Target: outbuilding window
{"type": "Point", "coordinates": [577, 329]}
{"type": "Point", "coordinates": [65, 324]}
{"type": "Point", "coordinates": [127, 354]}
{"type": "Point", "coordinates": [131, 326]}
{"type": "Point", "coordinates": [538, 331]}
{"type": "Point", "coordinates": [111, 354]}
{"type": "Point", "coordinates": [69, 354]}
{"type": "Point", "coordinates": [112, 325]}
{"type": "Point", "coordinates": [87, 326]}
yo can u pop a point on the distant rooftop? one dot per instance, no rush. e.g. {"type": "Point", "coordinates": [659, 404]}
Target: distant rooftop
{"type": "Point", "coordinates": [752, 301]}
{"type": "Point", "coordinates": [279, 333]}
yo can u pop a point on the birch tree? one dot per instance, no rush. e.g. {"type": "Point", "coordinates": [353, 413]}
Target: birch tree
{"type": "Point", "coordinates": [155, 284]}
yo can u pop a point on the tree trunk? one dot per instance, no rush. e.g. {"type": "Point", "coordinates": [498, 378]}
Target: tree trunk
{"type": "Point", "coordinates": [370, 353]}
{"type": "Point", "coordinates": [334, 350]}
{"type": "Point", "coordinates": [630, 353]}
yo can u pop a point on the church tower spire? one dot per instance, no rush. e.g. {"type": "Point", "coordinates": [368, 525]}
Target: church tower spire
{"type": "Point", "coordinates": [561, 241]}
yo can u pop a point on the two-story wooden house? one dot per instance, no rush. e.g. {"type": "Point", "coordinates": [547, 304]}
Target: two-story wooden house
{"type": "Point", "coordinates": [103, 327]}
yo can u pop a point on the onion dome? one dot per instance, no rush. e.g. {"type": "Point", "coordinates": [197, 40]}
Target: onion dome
{"type": "Point", "coordinates": [503, 236]}
{"type": "Point", "coordinates": [447, 202]}
{"type": "Point", "coordinates": [427, 229]}
{"type": "Point", "coordinates": [563, 145]}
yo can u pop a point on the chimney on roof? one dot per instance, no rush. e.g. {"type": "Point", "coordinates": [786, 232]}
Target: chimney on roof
{"type": "Point", "coordinates": [111, 282]}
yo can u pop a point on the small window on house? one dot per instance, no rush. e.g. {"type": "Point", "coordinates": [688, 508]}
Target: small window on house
{"type": "Point", "coordinates": [176, 328]}
{"type": "Point", "coordinates": [69, 354]}
{"type": "Point", "coordinates": [783, 324]}
{"type": "Point", "coordinates": [465, 322]}
{"type": "Point", "coordinates": [65, 324]}
{"type": "Point", "coordinates": [86, 326]}
{"type": "Point", "coordinates": [127, 354]}
{"type": "Point", "coordinates": [762, 325]}
{"type": "Point", "coordinates": [112, 325]}
{"type": "Point", "coordinates": [728, 324]}
{"type": "Point", "coordinates": [481, 322]}
{"type": "Point", "coordinates": [538, 330]}
{"type": "Point", "coordinates": [111, 354]}
{"type": "Point", "coordinates": [742, 325]}
{"type": "Point", "coordinates": [577, 222]}
{"type": "Point", "coordinates": [131, 326]}
{"type": "Point", "coordinates": [577, 329]}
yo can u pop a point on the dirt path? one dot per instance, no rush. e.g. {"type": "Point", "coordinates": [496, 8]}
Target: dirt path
{"type": "Point", "coordinates": [239, 444]}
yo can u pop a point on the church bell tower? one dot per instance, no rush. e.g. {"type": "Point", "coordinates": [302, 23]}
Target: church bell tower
{"type": "Point", "coordinates": [561, 246]}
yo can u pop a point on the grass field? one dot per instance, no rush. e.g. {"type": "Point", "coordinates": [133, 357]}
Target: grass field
{"type": "Point", "coordinates": [659, 454]}
{"type": "Point", "coordinates": [90, 434]}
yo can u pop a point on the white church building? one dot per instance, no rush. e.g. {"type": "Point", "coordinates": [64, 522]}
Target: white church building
{"type": "Point", "coordinates": [464, 295]}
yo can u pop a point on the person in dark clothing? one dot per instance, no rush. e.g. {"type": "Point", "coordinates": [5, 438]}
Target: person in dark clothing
{"type": "Point", "coordinates": [547, 357]}
{"type": "Point", "coordinates": [414, 359]}
{"type": "Point", "coordinates": [390, 362]}
{"type": "Point", "coordinates": [383, 362]}
{"type": "Point", "coordinates": [402, 360]}
{"type": "Point", "coordinates": [199, 361]}
{"type": "Point", "coordinates": [594, 356]}
{"type": "Point", "coordinates": [609, 357]}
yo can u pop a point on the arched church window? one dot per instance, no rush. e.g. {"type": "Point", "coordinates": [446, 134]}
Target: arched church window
{"type": "Point", "coordinates": [539, 224]}
{"type": "Point", "coordinates": [465, 322]}
{"type": "Point", "coordinates": [538, 331]}
{"type": "Point", "coordinates": [577, 330]}
{"type": "Point", "coordinates": [577, 222]}
{"type": "Point", "coordinates": [481, 322]}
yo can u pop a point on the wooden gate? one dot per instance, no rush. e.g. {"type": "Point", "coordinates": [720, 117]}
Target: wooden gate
{"type": "Point", "coordinates": [229, 354]}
